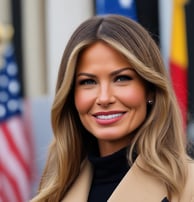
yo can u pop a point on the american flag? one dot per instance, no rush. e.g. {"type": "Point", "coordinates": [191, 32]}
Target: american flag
{"type": "Point", "coordinates": [16, 161]}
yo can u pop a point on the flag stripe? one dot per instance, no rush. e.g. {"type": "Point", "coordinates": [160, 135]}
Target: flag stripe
{"type": "Point", "coordinates": [5, 197]}
{"type": "Point", "coordinates": [13, 148]}
{"type": "Point", "coordinates": [15, 126]}
{"type": "Point", "coordinates": [179, 44]}
{"type": "Point", "coordinates": [7, 192]}
{"type": "Point", "coordinates": [178, 56]}
{"type": "Point", "coordinates": [179, 81]}
{"type": "Point", "coordinates": [13, 187]}
{"type": "Point", "coordinates": [13, 170]}
{"type": "Point", "coordinates": [29, 138]}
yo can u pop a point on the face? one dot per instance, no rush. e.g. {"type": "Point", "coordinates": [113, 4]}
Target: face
{"type": "Point", "coordinates": [109, 96]}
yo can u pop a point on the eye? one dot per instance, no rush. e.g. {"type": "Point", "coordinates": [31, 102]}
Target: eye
{"type": "Point", "coordinates": [87, 82]}
{"type": "Point", "coordinates": [122, 78]}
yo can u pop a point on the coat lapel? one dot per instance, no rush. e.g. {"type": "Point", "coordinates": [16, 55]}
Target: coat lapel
{"type": "Point", "coordinates": [81, 187]}
{"type": "Point", "coordinates": [137, 186]}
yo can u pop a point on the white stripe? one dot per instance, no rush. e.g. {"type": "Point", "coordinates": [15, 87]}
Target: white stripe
{"type": "Point", "coordinates": [13, 167]}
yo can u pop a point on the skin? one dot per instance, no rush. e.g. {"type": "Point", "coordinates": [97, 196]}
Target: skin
{"type": "Point", "coordinates": [110, 97]}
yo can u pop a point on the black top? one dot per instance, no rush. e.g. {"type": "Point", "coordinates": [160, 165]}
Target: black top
{"type": "Point", "coordinates": [108, 172]}
{"type": "Point", "coordinates": [165, 200]}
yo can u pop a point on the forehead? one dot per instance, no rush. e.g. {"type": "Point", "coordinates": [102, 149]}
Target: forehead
{"type": "Point", "coordinates": [101, 53]}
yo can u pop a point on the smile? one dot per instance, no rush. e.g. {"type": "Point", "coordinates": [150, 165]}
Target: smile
{"type": "Point", "coordinates": [109, 116]}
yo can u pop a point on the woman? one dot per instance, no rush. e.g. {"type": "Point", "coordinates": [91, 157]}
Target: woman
{"type": "Point", "coordinates": [118, 134]}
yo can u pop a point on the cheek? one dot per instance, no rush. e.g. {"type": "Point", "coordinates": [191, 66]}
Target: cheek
{"type": "Point", "coordinates": [82, 102]}
{"type": "Point", "coordinates": [134, 97]}
{"type": "Point", "coordinates": [79, 100]}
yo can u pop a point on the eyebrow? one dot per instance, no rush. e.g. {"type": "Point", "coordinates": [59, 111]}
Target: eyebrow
{"type": "Point", "coordinates": [121, 70]}
{"type": "Point", "coordinates": [112, 73]}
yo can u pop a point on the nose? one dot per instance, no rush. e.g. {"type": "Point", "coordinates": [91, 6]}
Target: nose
{"type": "Point", "coordinates": [105, 95]}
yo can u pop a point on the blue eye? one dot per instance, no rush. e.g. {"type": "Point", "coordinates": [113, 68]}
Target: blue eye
{"type": "Point", "coordinates": [87, 82]}
{"type": "Point", "coordinates": [122, 78]}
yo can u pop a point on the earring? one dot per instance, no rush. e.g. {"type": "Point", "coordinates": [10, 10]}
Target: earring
{"type": "Point", "coordinates": [150, 102]}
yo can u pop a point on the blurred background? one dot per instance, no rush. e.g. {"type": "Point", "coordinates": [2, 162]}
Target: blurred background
{"type": "Point", "coordinates": [33, 35]}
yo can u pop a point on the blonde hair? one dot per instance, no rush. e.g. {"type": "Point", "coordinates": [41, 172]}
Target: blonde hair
{"type": "Point", "coordinates": [160, 140]}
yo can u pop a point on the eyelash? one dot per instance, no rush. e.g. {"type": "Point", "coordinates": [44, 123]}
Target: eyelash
{"type": "Point", "coordinates": [122, 78]}
{"type": "Point", "coordinates": [87, 82]}
{"type": "Point", "coordinates": [119, 78]}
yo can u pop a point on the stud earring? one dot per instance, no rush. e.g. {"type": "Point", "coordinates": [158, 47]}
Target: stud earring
{"type": "Point", "coordinates": [150, 102]}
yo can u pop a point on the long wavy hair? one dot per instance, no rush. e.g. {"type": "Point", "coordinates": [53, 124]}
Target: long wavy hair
{"type": "Point", "coordinates": [159, 140]}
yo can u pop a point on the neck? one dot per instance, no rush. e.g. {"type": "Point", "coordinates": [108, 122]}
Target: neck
{"type": "Point", "coordinates": [109, 147]}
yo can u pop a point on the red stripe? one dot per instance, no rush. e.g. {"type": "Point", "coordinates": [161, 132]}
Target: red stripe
{"type": "Point", "coordinates": [32, 165]}
{"type": "Point", "coordinates": [15, 150]}
{"type": "Point", "coordinates": [13, 184]}
{"type": "Point", "coordinates": [179, 81]}
{"type": "Point", "coordinates": [3, 196]}
{"type": "Point", "coordinates": [29, 138]}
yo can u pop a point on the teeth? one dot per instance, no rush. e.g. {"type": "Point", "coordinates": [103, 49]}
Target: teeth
{"type": "Point", "coordinates": [110, 116]}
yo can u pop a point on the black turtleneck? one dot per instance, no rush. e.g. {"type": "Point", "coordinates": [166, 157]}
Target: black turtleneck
{"type": "Point", "coordinates": [108, 172]}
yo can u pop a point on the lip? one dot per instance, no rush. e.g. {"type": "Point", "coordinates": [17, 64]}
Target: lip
{"type": "Point", "coordinates": [107, 118]}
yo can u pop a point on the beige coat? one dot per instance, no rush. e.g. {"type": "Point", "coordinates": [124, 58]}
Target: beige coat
{"type": "Point", "coordinates": [136, 186]}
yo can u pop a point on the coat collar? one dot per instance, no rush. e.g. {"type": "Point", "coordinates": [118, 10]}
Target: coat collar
{"type": "Point", "coordinates": [136, 185]}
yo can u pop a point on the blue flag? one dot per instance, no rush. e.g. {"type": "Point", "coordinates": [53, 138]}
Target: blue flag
{"type": "Point", "coordinates": [10, 100]}
{"type": "Point", "coordinates": [122, 7]}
